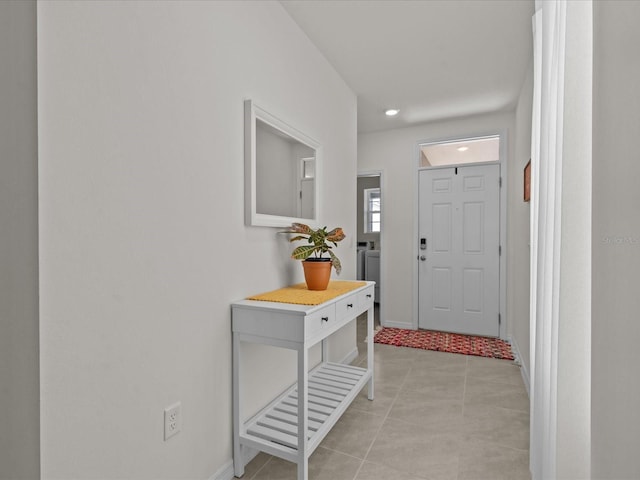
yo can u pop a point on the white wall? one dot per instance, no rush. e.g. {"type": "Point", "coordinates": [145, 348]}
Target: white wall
{"type": "Point", "coordinates": [143, 244]}
{"type": "Point", "coordinates": [19, 382]}
{"type": "Point", "coordinates": [395, 152]}
{"type": "Point", "coordinates": [615, 327]}
{"type": "Point", "coordinates": [574, 335]}
{"type": "Point", "coordinates": [519, 254]}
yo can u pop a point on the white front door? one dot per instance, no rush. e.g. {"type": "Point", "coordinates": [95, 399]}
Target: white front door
{"type": "Point", "coordinates": [459, 260]}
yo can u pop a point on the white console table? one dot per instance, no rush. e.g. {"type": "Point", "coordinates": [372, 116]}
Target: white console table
{"type": "Point", "coordinates": [293, 425]}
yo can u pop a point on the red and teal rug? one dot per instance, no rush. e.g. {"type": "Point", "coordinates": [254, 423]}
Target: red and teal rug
{"type": "Point", "coordinates": [445, 342]}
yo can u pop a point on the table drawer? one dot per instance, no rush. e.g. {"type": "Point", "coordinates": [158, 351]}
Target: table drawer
{"type": "Point", "coordinates": [347, 308]}
{"type": "Point", "coordinates": [319, 319]}
{"type": "Point", "coordinates": [366, 298]}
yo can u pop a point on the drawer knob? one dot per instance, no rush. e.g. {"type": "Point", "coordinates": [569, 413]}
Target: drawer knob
{"type": "Point", "coordinates": [324, 319]}
{"type": "Point", "coordinates": [368, 295]}
{"type": "Point", "coordinates": [349, 305]}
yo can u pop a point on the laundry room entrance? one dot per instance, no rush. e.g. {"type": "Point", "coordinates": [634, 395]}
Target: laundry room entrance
{"type": "Point", "coordinates": [370, 228]}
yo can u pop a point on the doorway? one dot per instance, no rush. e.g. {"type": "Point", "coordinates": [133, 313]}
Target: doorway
{"type": "Point", "coordinates": [460, 233]}
{"type": "Point", "coordinates": [369, 233]}
{"type": "Point", "coordinates": [459, 224]}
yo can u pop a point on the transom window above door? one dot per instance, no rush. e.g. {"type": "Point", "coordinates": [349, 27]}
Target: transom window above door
{"type": "Point", "coordinates": [457, 152]}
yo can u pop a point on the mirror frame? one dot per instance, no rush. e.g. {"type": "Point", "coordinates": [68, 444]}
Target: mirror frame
{"type": "Point", "coordinates": [253, 112]}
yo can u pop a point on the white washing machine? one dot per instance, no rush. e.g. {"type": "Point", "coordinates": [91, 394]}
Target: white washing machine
{"type": "Point", "coordinates": [372, 270]}
{"type": "Point", "coordinates": [362, 248]}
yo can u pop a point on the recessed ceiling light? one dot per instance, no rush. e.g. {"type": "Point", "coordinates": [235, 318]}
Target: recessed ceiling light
{"type": "Point", "coordinates": [463, 149]}
{"type": "Point", "coordinates": [391, 112]}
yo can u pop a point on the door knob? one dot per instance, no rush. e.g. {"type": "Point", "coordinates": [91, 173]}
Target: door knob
{"type": "Point", "coordinates": [422, 258]}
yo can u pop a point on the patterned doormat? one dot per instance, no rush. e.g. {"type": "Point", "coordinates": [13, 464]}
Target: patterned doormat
{"type": "Point", "coordinates": [445, 342]}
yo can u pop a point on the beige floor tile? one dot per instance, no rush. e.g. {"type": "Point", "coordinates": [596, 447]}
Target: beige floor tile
{"type": "Point", "coordinates": [384, 396]}
{"type": "Point", "coordinates": [487, 461]}
{"type": "Point", "coordinates": [435, 415]}
{"type": "Point", "coordinates": [452, 391]}
{"type": "Point", "coordinates": [473, 409]}
{"type": "Point", "coordinates": [480, 393]}
{"type": "Point", "coordinates": [375, 471]}
{"type": "Point", "coordinates": [418, 377]}
{"type": "Point", "coordinates": [389, 353]}
{"type": "Point", "coordinates": [449, 362]}
{"type": "Point", "coordinates": [408, 447]}
{"type": "Point", "coordinates": [324, 464]}
{"type": "Point", "coordinates": [494, 370]}
{"type": "Point", "coordinates": [500, 426]}
{"type": "Point", "coordinates": [330, 465]}
{"type": "Point", "coordinates": [390, 372]}
{"type": "Point", "coordinates": [354, 433]}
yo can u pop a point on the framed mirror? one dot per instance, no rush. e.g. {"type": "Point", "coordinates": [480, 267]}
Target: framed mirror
{"type": "Point", "coordinates": [282, 168]}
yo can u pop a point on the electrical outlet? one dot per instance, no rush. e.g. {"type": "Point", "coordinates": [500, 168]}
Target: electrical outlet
{"type": "Point", "coordinates": [172, 420]}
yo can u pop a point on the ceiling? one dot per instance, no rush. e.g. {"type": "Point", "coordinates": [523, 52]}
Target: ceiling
{"type": "Point", "coordinates": [432, 59]}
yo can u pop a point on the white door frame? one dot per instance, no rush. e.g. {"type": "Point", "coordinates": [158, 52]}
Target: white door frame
{"type": "Point", "coordinates": [383, 257]}
{"type": "Point", "coordinates": [503, 219]}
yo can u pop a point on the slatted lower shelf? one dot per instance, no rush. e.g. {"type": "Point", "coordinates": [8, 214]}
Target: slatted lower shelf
{"type": "Point", "coordinates": [332, 388]}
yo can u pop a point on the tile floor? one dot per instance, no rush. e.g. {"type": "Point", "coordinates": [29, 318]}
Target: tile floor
{"type": "Point", "coordinates": [436, 416]}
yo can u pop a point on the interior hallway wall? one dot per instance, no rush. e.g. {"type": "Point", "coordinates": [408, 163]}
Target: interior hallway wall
{"type": "Point", "coordinates": [143, 242]}
{"type": "Point", "coordinates": [519, 261]}
{"type": "Point", "coordinates": [615, 383]}
{"type": "Point", "coordinates": [19, 369]}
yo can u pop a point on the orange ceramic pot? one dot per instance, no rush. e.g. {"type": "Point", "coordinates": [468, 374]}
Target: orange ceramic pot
{"type": "Point", "coordinates": [317, 273]}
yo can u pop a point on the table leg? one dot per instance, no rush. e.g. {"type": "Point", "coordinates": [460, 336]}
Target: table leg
{"type": "Point", "coordinates": [303, 405]}
{"type": "Point", "coordinates": [325, 350]}
{"type": "Point", "coordinates": [238, 462]}
{"type": "Point", "coordinates": [370, 334]}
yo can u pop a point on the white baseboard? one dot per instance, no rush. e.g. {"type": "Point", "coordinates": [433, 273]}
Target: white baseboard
{"type": "Point", "coordinates": [350, 357]}
{"type": "Point", "coordinates": [523, 367]}
{"type": "Point", "coordinates": [226, 472]}
{"type": "Point", "coordinates": [392, 324]}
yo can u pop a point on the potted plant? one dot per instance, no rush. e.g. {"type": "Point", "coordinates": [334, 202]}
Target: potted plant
{"type": "Point", "coordinates": [317, 268]}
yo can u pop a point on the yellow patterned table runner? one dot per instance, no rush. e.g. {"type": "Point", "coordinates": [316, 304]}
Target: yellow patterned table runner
{"type": "Point", "coordinates": [299, 294]}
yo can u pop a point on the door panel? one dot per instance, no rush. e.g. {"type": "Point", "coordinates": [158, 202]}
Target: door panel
{"type": "Point", "coordinates": [459, 213]}
{"type": "Point", "coordinates": [473, 183]}
{"type": "Point", "coordinates": [442, 216]}
{"type": "Point", "coordinates": [442, 185]}
{"type": "Point", "coordinates": [442, 289]}
{"type": "Point", "coordinates": [472, 228]}
{"type": "Point", "coordinates": [472, 291]}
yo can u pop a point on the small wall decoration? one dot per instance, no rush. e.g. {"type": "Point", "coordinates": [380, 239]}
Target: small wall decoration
{"type": "Point", "coordinates": [527, 181]}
